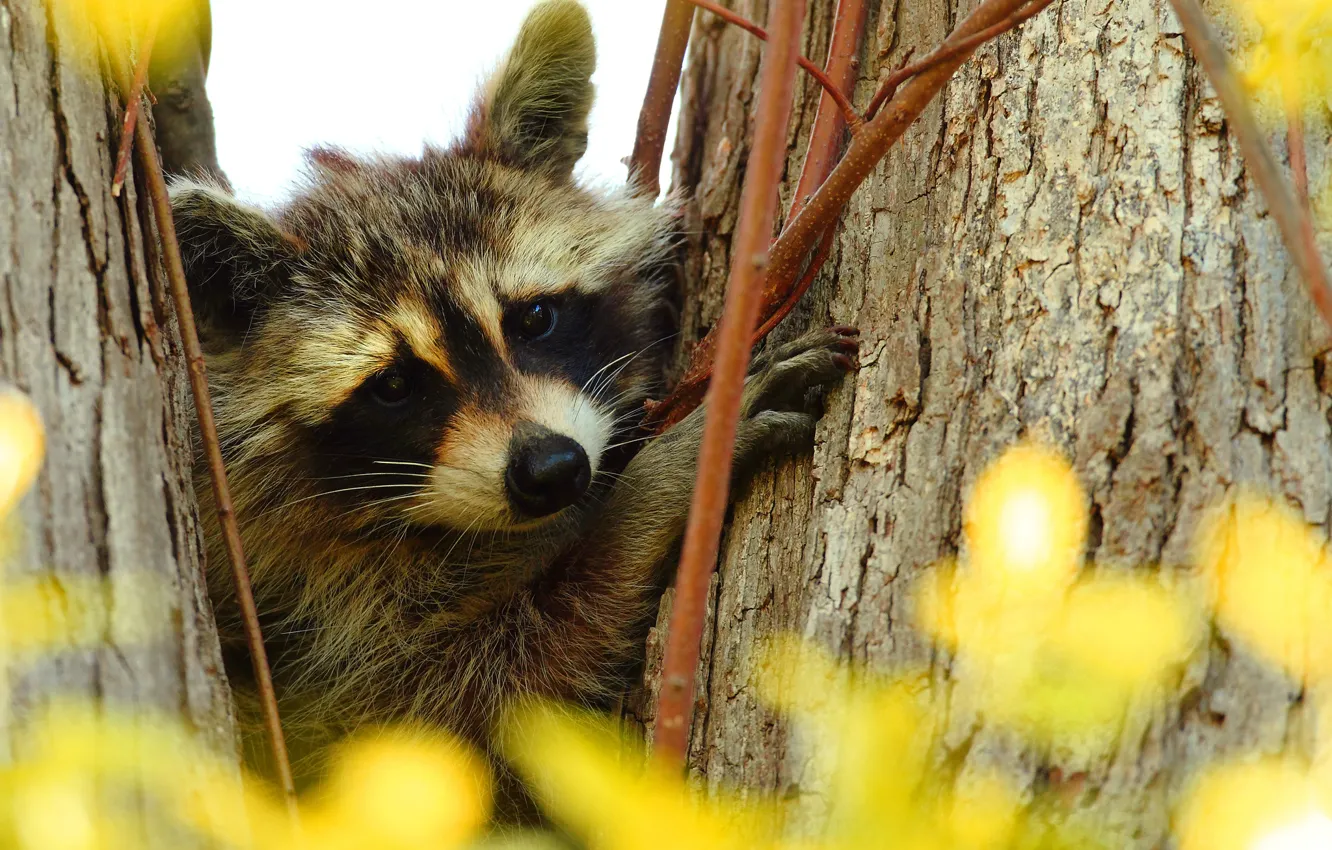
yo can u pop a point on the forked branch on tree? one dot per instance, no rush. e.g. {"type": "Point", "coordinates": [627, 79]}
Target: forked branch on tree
{"type": "Point", "coordinates": [912, 87]}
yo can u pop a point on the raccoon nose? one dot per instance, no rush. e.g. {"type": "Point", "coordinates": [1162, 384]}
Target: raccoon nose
{"type": "Point", "coordinates": [547, 472]}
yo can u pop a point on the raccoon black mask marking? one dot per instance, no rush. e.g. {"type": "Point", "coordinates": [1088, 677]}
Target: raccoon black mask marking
{"type": "Point", "coordinates": [428, 375]}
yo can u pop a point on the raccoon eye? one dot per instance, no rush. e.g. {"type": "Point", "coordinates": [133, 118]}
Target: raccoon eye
{"type": "Point", "coordinates": [536, 320]}
{"type": "Point", "coordinates": [390, 387]}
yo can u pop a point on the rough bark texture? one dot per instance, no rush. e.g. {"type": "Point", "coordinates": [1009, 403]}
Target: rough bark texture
{"type": "Point", "coordinates": [86, 331]}
{"type": "Point", "coordinates": [1065, 246]}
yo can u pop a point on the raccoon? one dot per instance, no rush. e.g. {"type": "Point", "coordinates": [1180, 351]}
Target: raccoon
{"type": "Point", "coordinates": [429, 376]}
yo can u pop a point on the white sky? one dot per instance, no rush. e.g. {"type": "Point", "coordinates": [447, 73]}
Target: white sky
{"type": "Point", "coordinates": [387, 75]}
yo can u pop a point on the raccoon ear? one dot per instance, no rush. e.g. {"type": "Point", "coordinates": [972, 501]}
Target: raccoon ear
{"type": "Point", "coordinates": [533, 112]}
{"type": "Point", "coordinates": [235, 256]}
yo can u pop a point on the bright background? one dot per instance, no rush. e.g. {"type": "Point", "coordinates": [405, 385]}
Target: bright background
{"type": "Point", "coordinates": [388, 75]}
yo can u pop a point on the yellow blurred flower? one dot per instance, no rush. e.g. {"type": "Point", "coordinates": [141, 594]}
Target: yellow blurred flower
{"type": "Point", "coordinates": [1275, 804]}
{"type": "Point", "coordinates": [399, 790]}
{"type": "Point", "coordinates": [871, 738]}
{"type": "Point", "coordinates": [1290, 59]}
{"type": "Point", "coordinates": [1026, 522]}
{"type": "Point", "coordinates": [1270, 579]}
{"type": "Point", "coordinates": [22, 447]}
{"type": "Point", "coordinates": [604, 790]}
{"type": "Point", "coordinates": [1041, 647]}
{"type": "Point", "coordinates": [865, 742]}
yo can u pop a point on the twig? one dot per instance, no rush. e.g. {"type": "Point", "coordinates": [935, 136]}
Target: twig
{"type": "Point", "coordinates": [758, 210]}
{"type": "Point", "coordinates": [175, 270]}
{"type": "Point", "coordinates": [133, 103]}
{"type": "Point", "coordinates": [824, 145]}
{"type": "Point", "coordinates": [1299, 167]}
{"type": "Point", "coordinates": [949, 49]}
{"type": "Point", "coordinates": [798, 291]}
{"type": "Point", "coordinates": [876, 137]}
{"type": "Point", "coordinates": [1292, 218]}
{"type": "Point", "coordinates": [831, 88]}
{"type": "Point", "coordinates": [826, 137]}
{"type": "Point", "coordinates": [655, 116]}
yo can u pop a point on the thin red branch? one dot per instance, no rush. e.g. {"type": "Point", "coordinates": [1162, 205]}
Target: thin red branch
{"type": "Point", "coordinates": [133, 104]}
{"type": "Point", "coordinates": [825, 143]}
{"type": "Point", "coordinates": [876, 137]}
{"type": "Point", "coordinates": [783, 309]}
{"type": "Point", "coordinates": [157, 189]}
{"type": "Point", "coordinates": [830, 88]}
{"type": "Point", "coordinates": [758, 213]}
{"type": "Point", "coordinates": [1299, 167]}
{"type": "Point", "coordinates": [1293, 219]}
{"type": "Point", "coordinates": [950, 49]}
{"type": "Point", "coordinates": [655, 116]}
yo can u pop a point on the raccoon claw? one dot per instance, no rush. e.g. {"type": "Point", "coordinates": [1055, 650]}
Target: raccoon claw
{"type": "Point", "coordinates": [785, 376]}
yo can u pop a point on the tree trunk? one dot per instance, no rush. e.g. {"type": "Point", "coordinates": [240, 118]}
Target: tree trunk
{"type": "Point", "coordinates": [86, 331]}
{"type": "Point", "coordinates": [1065, 246]}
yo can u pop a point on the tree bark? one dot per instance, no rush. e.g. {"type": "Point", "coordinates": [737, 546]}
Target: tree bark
{"type": "Point", "coordinates": [86, 331]}
{"type": "Point", "coordinates": [1065, 246]}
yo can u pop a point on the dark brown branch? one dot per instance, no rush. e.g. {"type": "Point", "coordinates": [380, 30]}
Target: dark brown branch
{"type": "Point", "coordinates": [951, 48]}
{"type": "Point", "coordinates": [758, 212]}
{"type": "Point", "coordinates": [175, 270]}
{"type": "Point", "coordinates": [655, 116]}
{"type": "Point", "coordinates": [876, 137]}
{"type": "Point", "coordinates": [830, 87]}
{"type": "Point", "coordinates": [1292, 218]}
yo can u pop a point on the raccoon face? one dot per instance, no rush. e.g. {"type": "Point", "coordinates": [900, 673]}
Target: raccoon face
{"type": "Point", "coordinates": [459, 340]}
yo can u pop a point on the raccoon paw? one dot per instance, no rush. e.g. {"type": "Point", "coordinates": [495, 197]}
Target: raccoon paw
{"type": "Point", "coordinates": [780, 407]}
{"type": "Point", "coordinates": [793, 377]}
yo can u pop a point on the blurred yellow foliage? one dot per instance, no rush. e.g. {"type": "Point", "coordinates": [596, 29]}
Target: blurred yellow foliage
{"type": "Point", "coordinates": [601, 788]}
{"type": "Point", "coordinates": [872, 734]}
{"type": "Point", "coordinates": [89, 26]}
{"type": "Point", "coordinates": [22, 447]}
{"type": "Point", "coordinates": [74, 787]}
{"type": "Point", "coordinates": [1046, 645]}
{"type": "Point", "coordinates": [1269, 575]}
{"type": "Point", "coordinates": [1274, 804]}
{"type": "Point", "coordinates": [398, 790]}
{"type": "Point", "coordinates": [1290, 59]}
{"type": "Point", "coordinates": [1047, 648]}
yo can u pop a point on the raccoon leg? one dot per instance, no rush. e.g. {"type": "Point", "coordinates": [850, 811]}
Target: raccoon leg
{"type": "Point", "coordinates": [778, 411]}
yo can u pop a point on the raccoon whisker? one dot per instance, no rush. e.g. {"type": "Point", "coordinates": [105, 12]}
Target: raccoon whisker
{"type": "Point", "coordinates": [418, 475]}
{"type": "Point", "coordinates": [619, 479]}
{"type": "Point", "coordinates": [291, 502]}
{"type": "Point", "coordinates": [609, 380]}
{"type": "Point", "coordinates": [445, 559]}
{"type": "Point", "coordinates": [583, 388]}
{"type": "Point", "coordinates": [389, 499]}
{"type": "Point", "coordinates": [628, 415]}
{"type": "Point", "coordinates": [606, 382]}
{"type": "Point", "coordinates": [630, 442]}
{"type": "Point", "coordinates": [405, 463]}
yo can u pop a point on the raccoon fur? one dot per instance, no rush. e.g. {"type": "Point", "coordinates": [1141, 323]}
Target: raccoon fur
{"type": "Point", "coordinates": [428, 376]}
